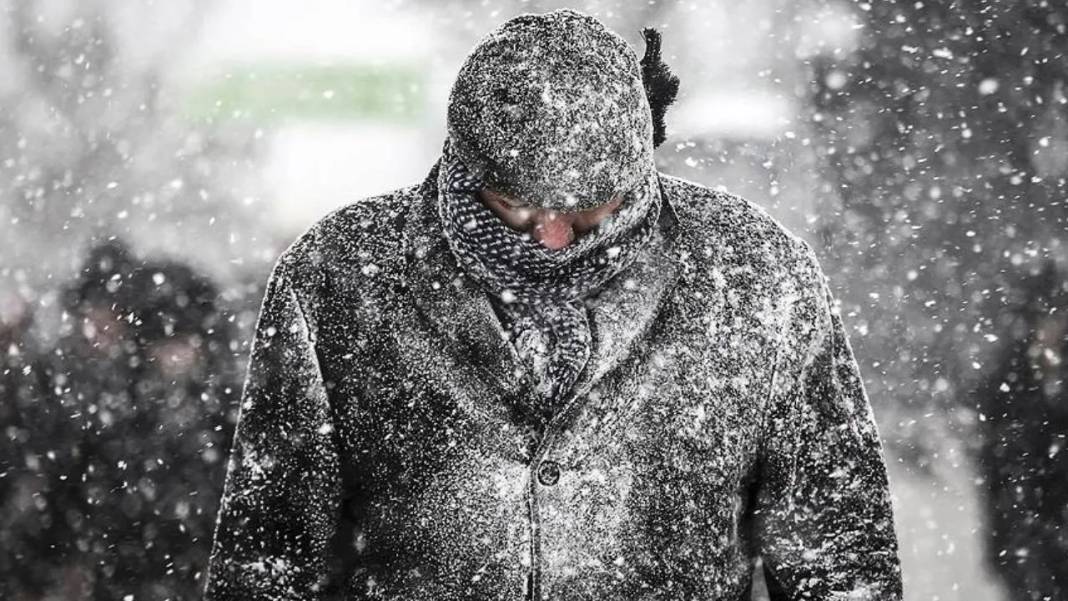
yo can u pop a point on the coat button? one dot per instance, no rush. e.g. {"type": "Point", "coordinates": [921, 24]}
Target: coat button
{"type": "Point", "coordinates": [549, 472]}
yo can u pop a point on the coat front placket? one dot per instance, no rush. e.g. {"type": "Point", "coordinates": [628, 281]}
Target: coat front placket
{"type": "Point", "coordinates": [621, 316]}
{"type": "Point", "coordinates": [628, 310]}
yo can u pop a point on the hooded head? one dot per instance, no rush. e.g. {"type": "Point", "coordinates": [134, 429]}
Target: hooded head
{"type": "Point", "coordinates": [551, 110]}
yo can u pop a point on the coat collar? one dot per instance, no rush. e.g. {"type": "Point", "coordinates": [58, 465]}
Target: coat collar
{"type": "Point", "coordinates": [456, 308]}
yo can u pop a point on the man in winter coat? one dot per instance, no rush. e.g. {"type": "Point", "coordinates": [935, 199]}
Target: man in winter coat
{"type": "Point", "coordinates": [28, 537]}
{"type": "Point", "coordinates": [154, 465]}
{"type": "Point", "coordinates": [1024, 409]}
{"type": "Point", "coordinates": [551, 372]}
{"type": "Point", "coordinates": [126, 438]}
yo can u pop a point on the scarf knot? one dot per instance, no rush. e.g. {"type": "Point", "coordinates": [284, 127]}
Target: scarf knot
{"type": "Point", "coordinates": [538, 292]}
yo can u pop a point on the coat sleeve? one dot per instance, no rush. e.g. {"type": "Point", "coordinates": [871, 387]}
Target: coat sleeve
{"type": "Point", "coordinates": [281, 496]}
{"type": "Point", "coordinates": [823, 516]}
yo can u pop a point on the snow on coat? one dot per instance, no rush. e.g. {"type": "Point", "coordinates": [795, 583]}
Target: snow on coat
{"type": "Point", "coordinates": [382, 450]}
{"type": "Point", "coordinates": [552, 109]}
{"type": "Point", "coordinates": [721, 417]}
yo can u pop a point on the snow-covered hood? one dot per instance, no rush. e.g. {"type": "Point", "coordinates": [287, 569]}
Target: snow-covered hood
{"type": "Point", "coordinates": [551, 109]}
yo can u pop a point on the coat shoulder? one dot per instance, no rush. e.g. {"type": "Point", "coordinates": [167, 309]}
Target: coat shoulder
{"type": "Point", "coordinates": [740, 261]}
{"type": "Point", "coordinates": [723, 232]}
{"type": "Point", "coordinates": [362, 239]}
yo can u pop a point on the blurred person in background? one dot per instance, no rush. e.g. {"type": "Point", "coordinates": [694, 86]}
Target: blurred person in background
{"type": "Point", "coordinates": [27, 530]}
{"type": "Point", "coordinates": [1023, 423]}
{"type": "Point", "coordinates": [138, 420]}
{"type": "Point", "coordinates": [185, 398]}
{"type": "Point", "coordinates": [159, 460]}
{"type": "Point", "coordinates": [87, 370]}
{"type": "Point", "coordinates": [551, 372]}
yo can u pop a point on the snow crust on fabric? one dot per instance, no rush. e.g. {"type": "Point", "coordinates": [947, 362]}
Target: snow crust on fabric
{"type": "Point", "coordinates": [721, 417]}
{"type": "Point", "coordinates": [551, 109]}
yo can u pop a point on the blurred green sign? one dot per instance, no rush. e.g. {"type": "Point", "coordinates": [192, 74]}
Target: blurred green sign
{"type": "Point", "coordinates": [270, 92]}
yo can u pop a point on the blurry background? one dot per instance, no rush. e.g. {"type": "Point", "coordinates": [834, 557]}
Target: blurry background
{"type": "Point", "coordinates": [156, 157]}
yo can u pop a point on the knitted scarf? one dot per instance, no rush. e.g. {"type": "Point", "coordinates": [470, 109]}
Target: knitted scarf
{"type": "Point", "coordinates": [537, 291]}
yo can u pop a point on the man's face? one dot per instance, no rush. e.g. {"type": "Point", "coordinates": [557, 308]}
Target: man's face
{"type": "Point", "coordinates": [553, 229]}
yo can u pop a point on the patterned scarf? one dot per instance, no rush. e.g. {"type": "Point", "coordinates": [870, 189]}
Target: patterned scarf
{"type": "Point", "coordinates": [538, 291]}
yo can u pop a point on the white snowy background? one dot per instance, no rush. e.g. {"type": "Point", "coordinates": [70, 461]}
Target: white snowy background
{"type": "Point", "coordinates": [213, 133]}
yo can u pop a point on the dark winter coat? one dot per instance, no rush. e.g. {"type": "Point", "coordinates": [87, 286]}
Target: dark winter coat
{"type": "Point", "coordinates": [113, 443]}
{"type": "Point", "coordinates": [721, 418]}
{"type": "Point", "coordinates": [1023, 407]}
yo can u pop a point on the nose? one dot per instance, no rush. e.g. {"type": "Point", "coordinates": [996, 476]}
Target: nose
{"type": "Point", "coordinates": [553, 230]}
